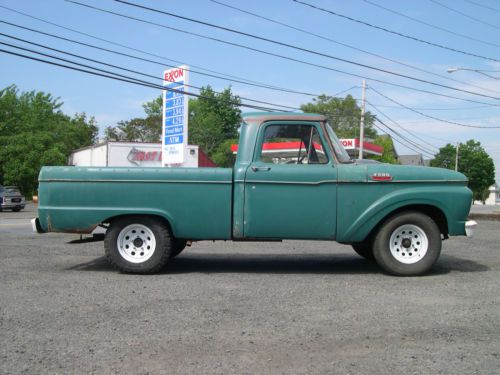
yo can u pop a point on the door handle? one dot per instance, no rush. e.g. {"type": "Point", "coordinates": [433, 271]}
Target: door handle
{"type": "Point", "coordinates": [261, 169]}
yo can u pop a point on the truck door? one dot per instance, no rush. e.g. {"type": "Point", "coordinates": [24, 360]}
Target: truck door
{"type": "Point", "coordinates": [291, 184]}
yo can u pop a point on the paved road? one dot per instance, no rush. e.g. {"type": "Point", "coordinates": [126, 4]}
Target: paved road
{"type": "Point", "coordinates": [485, 209]}
{"type": "Point", "coordinates": [17, 221]}
{"type": "Point", "coordinates": [285, 308]}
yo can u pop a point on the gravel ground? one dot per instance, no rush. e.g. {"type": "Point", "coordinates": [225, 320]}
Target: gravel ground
{"type": "Point", "coordinates": [249, 308]}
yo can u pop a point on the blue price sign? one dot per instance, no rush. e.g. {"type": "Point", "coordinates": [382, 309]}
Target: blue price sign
{"type": "Point", "coordinates": [171, 130]}
{"type": "Point", "coordinates": [178, 93]}
{"type": "Point", "coordinates": [174, 102]}
{"type": "Point", "coordinates": [174, 140]}
{"type": "Point", "coordinates": [177, 120]}
{"type": "Point", "coordinates": [175, 113]}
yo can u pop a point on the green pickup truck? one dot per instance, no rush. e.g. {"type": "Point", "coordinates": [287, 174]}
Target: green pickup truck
{"type": "Point", "coordinates": [292, 180]}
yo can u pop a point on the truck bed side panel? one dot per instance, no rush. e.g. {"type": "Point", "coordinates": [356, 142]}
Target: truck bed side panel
{"type": "Point", "coordinates": [196, 202]}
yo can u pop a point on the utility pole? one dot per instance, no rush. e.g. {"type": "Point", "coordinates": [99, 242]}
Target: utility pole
{"type": "Point", "coordinates": [456, 158]}
{"type": "Point", "coordinates": [362, 121]}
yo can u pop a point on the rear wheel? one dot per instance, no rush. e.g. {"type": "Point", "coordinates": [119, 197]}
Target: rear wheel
{"type": "Point", "coordinates": [178, 247]}
{"type": "Point", "coordinates": [138, 244]}
{"type": "Point", "coordinates": [407, 244]}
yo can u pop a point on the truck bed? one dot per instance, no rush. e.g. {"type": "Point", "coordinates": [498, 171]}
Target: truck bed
{"type": "Point", "coordinates": [196, 202]}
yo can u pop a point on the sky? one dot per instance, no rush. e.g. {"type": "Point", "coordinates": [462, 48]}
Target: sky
{"type": "Point", "coordinates": [425, 117]}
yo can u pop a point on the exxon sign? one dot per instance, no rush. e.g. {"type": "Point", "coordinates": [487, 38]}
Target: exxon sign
{"type": "Point", "coordinates": [175, 115]}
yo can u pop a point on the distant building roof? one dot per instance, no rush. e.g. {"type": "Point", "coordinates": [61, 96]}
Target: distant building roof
{"type": "Point", "coordinates": [411, 159]}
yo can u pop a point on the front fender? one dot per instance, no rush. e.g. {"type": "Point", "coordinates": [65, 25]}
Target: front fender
{"type": "Point", "coordinates": [452, 201]}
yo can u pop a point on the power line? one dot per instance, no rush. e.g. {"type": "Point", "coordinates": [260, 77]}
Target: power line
{"type": "Point", "coordinates": [347, 45]}
{"type": "Point", "coordinates": [397, 138]}
{"type": "Point", "coordinates": [294, 59]}
{"type": "Point", "coordinates": [158, 62]}
{"type": "Point", "coordinates": [269, 41]}
{"type": "Point", "coordinates": [123, 78]}
{"type": "Point", "coordinates": [464, 14]}
{"type": "Point", "coordinates": [137, 72]}
{"type": "Point", "coordinates": [461, 119]}
{"type": "Point", "coordinates": [114, 66]}
{"type": "Point", "coordinates": [486, 74]}
{"type": "Point", "coordinates": [482, 6]}
{"type": "Point", "coordinates": [344, 91]}
{"type": "Point", "coordinates": [135, 49]}
{"type": "Point", "coordinates": [407, 140]}
{"type": "Point", "coordinates": [264, 52]}
{"type": "Point", "coordinates": [431, 25]}
{"type": "Point", "coordinates": [404, 129]}
{"type": "Point", "coordinates": [433, 117]}
{"type": "Point", "coordinates": [396, 32]}
{"type": "Point", "coordinates": [131, 80]}
{"type": "Point", "coordinates": [435, 109]}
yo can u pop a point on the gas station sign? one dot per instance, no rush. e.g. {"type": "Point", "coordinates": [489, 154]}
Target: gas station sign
{"type": "Point", "coordinates": [175, 115]}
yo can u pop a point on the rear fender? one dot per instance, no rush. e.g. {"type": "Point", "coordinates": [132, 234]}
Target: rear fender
{"type": "Point", "coordinates": [59, 219]}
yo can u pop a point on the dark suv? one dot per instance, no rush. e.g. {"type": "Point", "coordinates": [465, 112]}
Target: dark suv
{"type": "Point", "coordinates": [11, 198]}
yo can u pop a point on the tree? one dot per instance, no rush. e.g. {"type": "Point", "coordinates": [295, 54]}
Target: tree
{"type": "Point", "coordinates": [343, 115]}
{"type": "Point", "coordinates": [35, 132]}
{"type": "Point", "coordinates": [213, 119]}
{"type": "Point", "coordinates": [148, 129]}
{"type": "Point", "coordinates": [473, 161]}
{"type": "Point", "coordinates": [388, 156]}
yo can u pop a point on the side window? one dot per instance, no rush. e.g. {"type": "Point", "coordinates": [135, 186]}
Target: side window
{"type": "Point", "coordinates": [292, 144]}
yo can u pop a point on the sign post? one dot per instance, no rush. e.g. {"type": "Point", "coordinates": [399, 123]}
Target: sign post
{"type": "Point", "coordinates": [175, 115]}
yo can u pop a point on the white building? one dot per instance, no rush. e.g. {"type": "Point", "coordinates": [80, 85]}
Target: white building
{"type": "Point", "coordinates": [493, 198]}
{"type": "Point", "coordinates": [132, 154]}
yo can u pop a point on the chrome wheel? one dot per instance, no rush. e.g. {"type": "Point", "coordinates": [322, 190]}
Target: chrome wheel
{"type": "Point", "coordinates": [136, 243]}
{"type": "Point", "coordinates": [408, 244]}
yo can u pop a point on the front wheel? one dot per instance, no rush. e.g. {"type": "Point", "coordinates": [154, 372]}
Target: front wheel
{"type": "Point", "coordinates": [138, 244]}
{"type": "Point", "coordinates": [407, 244]}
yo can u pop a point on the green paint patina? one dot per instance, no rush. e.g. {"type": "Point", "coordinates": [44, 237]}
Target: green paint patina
{"type": "Point", "coordinates": [313, 195]}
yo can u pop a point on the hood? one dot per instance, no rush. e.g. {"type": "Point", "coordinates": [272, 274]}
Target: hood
{"type": "Point", "coordinates": [405, 173]}
{"type": "Point", "coordinates": [383, 172]}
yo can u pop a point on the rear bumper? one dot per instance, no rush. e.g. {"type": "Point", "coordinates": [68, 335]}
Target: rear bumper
{"type": "Point", "coordinates": [35, 225]}
{"type": "Point", "coordinates": [470, 227]}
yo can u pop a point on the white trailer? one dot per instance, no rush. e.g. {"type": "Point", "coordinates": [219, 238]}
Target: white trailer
{"type": "Point", "coordinates": [127, 154]}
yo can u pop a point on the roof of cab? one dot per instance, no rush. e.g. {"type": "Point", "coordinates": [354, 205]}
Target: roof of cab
{"type": "Point", "coordinates": [261, 117]}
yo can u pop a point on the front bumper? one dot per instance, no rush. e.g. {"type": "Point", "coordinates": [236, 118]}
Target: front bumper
{"type": "Point", "coordinates": [470, 227]}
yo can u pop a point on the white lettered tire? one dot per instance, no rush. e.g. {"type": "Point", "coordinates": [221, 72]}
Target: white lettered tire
{"type": "Point", "coordinates": [407, 244]}
{"type": "Point", "coordinates": [138, 244]}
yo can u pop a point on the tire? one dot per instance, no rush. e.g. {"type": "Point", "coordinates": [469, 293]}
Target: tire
{"type": "Point", "coordinates": [407, 244]}
{"type": "Point", "coordinates": [178, 247]}
{"type": "Point", "coordinates": [364, 249]}
{"type": "Point", "coordinates": [138, 244]}
{"type": "Point", "coordinates": [17, 209]}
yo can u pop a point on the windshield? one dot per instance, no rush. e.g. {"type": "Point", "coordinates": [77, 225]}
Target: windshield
{"type": "Point", "coordinates": [12, 190]}
{"type": "Point", "coordinates": [342, 154]}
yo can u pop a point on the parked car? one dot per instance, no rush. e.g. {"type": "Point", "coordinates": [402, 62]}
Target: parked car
{"type": "Point", "coordinates": [11, 198]}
